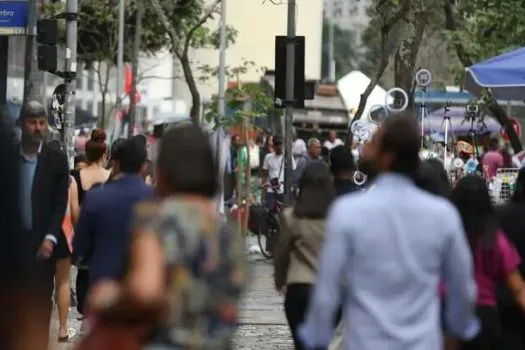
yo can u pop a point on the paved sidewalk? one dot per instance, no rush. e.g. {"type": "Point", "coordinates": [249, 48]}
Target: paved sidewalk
{"type": "Point", "coordinates": [263, 324]}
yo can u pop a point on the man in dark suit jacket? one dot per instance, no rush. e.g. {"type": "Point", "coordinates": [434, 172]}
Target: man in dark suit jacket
{"type": "Point", "coordinates": [103, 230]}
{"type": "Point", "coordinates": [44, 182]}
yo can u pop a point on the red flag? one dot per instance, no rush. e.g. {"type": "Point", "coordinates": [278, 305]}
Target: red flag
{"type": "Point", "coordinates": [128, 81]}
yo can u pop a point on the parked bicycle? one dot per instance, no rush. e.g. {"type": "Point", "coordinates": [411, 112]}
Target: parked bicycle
{"type": "Point", "coordinates": [270, 227]}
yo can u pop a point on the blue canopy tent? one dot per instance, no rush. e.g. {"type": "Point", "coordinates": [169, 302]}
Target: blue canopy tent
{"type": "Point", "coordinates": [504, 75]}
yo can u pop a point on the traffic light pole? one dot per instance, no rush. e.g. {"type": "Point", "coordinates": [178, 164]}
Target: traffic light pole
{"type": "Point", "coordinates": [135, 70]}
{"type": "Point", "coordinates": [290, 98]}
{"type": "Point", "coordinates": [4, 57]}
{"type": "Point", "coordinates": [70, 77]}
{"type": "Point", "coordinates": [32, 76]}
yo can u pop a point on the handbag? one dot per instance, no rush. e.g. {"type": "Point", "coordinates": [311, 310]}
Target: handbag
{"type": "Point", "coordinates": [275, 183]}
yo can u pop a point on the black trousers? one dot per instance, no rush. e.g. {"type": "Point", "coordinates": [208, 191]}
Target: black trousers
{"type": "Point", "coordinates": [512, 328]}
{"type": "Point", "coordinates": [296, 305]}
{"type": "Point", "coordinates": [489, 336]}
{"type": "Point", "coordinates": [81, 289]}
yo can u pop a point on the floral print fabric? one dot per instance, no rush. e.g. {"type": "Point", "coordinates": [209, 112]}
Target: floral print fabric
{"type": "Point", "coordinates": [206, 273]}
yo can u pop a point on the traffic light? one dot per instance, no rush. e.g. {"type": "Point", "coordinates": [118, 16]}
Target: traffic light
{"type": "Point", "coordinates": [47, 37]}
{"type": "Point", "coordinates": [280, 72]}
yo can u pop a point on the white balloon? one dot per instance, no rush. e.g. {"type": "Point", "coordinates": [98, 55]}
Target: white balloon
{"type": "Point", "coordinates": [405, 100]}
{"type": "Point", "coordinates": [359, 178]}
{"type": "Point", "coordinates": [423, 77]}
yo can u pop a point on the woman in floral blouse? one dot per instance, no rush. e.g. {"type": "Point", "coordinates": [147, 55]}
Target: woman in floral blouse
{"type": "Point", "coordinates": [186, 267]}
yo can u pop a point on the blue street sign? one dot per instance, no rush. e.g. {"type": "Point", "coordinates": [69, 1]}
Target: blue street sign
{"type": "Point", "coordinates": [13, 17]}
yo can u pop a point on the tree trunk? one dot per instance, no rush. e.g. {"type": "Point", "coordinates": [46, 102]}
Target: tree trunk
{"type": "Point", "coordinates": [192, 86]}
{"type": "Point", "coordinates": [413, 27]}
{"type": "Point", "coordinates": [385, 31]}
{"type": "Point", "coordinates": [102, 113]}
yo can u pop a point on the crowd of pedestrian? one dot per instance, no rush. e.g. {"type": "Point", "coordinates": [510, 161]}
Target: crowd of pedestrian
{"type": "Point", "coordinates": [411, 262]}
{"type": "Point", "coordinates": [154, 261]}
{"type": "Point", "coordinates": [408, 261]}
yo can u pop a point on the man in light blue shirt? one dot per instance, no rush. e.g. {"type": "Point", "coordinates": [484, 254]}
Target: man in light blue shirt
{"type": "Point", "coordinates": [386, 251]}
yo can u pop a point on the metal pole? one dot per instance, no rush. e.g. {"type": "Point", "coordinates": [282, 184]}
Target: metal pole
{"type": "Point", "coordinates": [4, 58]}
{"type": "Point", "coordinates": [290, 97]}
{"type": "Point", "coordinates": [70, 77]}
{"type": "Point", "coordinates": [222, 96]}
{"type": "Point", "coordinates": [135, 68]}
{"type": "Point", "coordinates": [222, 60]}
{"type": "Point", "coordinates": [120, 62]}
{"type": "Point", "coordinates": [331, 57]}
{"type": "Point", "coordinates": [32, 76]}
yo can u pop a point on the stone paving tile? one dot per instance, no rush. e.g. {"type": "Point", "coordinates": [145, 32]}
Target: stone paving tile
{"type": "Point", "coordinates": [262, 326]}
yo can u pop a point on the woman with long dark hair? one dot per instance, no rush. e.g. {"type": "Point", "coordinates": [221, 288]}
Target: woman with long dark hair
{"type": "Point", "coordinates": [512, 221]}
{"type": "Point", "coordinates": [302, 235]}
{"type": "Point", "coordinates": [495, 258]}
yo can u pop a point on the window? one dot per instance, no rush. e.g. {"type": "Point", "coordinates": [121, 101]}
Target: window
{"type": "Point", "coordinates": [142, 112]}
{"type": "Point", "coordinates": [91, 80]}
{"type": "Point", "coordinates": [89, 107]}
{"type": "Point", "coordinates": [80, 80]}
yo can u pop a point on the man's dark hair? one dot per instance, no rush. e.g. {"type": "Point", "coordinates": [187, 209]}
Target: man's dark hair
{"type": "Point", "coordinates": [401, 137]}
{"type": "Point", "coordinates": [341, 160]}
{"type": "Point", "coordinates": [316, 191]}
{"type": "Point", "coordinates": [141, 139]}
{"type": "Point", "coordinates": [131, 156]}
{"type": "Point", "coordinates": [115, 146]}
{"type": "Point", "coordinates": [432, 177]}
{"type": "Point", "coordinates": [186, 162]}
{"type": "Point", "coordinates": [32, 109]}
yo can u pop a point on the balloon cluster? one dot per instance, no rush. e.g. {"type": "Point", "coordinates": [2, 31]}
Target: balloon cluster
{"type": "Point", "coordinates": [363, 130]}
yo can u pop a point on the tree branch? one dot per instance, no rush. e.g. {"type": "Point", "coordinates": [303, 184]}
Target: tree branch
{"type": "Point", "coordinates": [172, 33]}
{"type": "Point", "coordinates": [450, 24]}
{"type": "Point", "coordinates": [207, 14]}
{"type": "Point", "coordinates": [383, 63]}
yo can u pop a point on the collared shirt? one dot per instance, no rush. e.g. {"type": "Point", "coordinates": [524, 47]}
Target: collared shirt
{"type": "Point", "coordinates": [386, 250]}
{"type": "Point", "coordinates": [28, 165]}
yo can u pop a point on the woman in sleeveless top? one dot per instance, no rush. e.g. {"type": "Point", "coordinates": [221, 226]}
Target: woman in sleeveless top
{"type": "Point", "coordinates": [63, 252]}
{"type": "Point", "coordinates": [91, 175]}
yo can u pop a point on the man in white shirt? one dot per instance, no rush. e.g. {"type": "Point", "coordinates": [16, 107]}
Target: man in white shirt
{"type": "Point", "coordinates": [273, 173]}
{"type": "Point", "coordinates": [332, 141]}
{"type": "Point", "coordinates": [392, 263]}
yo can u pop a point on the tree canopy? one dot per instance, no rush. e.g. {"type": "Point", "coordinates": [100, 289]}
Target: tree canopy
{"type": "Point", "coordinates": [98, 29]}
{"type": "Point", "coordinates": [488, 28]}
{"type": "Point", "coordinates": [190, 31]}
{"type": "Point", "coordinates": [472, 30]}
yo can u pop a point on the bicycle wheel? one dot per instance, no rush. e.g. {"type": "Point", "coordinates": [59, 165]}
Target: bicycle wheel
{"type": "Point", "coordinates": [268, 234]}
